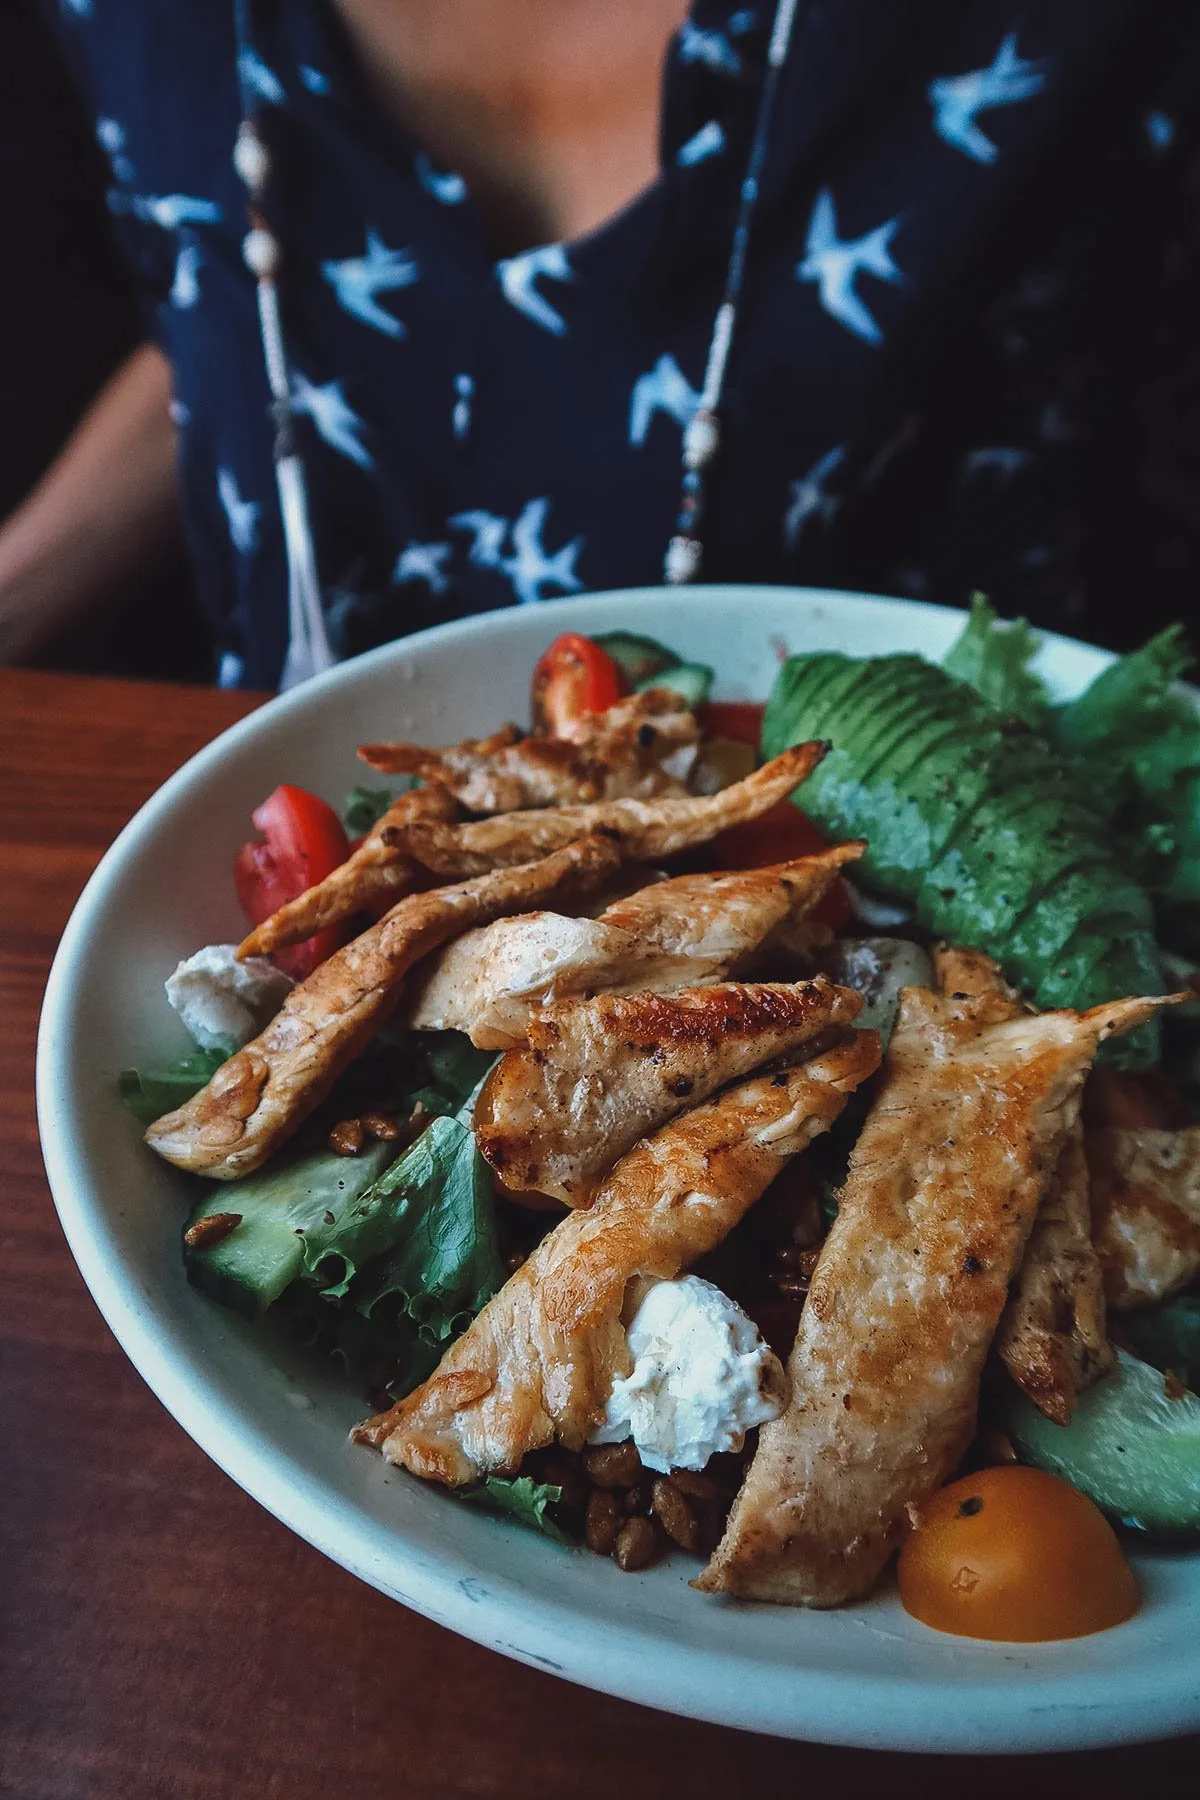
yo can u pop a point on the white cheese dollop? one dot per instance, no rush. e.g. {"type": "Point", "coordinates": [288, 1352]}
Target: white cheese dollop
{"type": "Point", "coordinates": [701, 1377]}
{"type": "Point", "coordinates": [224, 1002]}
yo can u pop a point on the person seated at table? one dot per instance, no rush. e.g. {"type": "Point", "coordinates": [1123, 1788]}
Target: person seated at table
{"type": "Point", "coordinates": [499, 301]}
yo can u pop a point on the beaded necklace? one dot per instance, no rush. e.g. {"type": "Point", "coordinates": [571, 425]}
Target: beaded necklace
{"type": "Point", "coordinates": [309, 650]}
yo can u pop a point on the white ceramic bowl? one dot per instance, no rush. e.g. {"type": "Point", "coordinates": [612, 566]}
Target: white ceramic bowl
{"type": "Point", "coordinates": [277, 1421]}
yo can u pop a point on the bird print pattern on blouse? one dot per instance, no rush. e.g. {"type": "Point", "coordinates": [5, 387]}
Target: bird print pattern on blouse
{"type": "Point", "coordinates": [835, 263]}
{"type": "Point", "coordinates": [956, 99]}
{"type": "Point", "coordinates": [241, 514]}
{"type": "Point", "coordinates": [185, 288]}
{"type": "Point", "coordinates": [356, 280]}
{"type": "Point", "coordinates": [438, 414]}
{"type": "Point", "coordinates": [708, 141]}
{"type": "Point", "coordinates": [337, 422]}
{"type": "Point", "coordinates": [529, 567]}
{"type": "Point", "coordinates": [423, 562]}
{"type": "Point", "coordinates": [518, 276]}
{"type": "Point", "coordinates": [810, 498]}
{"type": "Point", "coordinates": [664, 388]}
{"type": "Point", "coordinates": [447, 188]}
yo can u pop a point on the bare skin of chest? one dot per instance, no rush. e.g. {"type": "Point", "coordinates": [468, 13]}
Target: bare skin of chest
{"type": "Point", "coordinates": [549, 108]}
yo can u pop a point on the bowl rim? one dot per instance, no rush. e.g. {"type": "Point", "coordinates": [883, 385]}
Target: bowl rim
{"type": "Point", "coordinates": [1041, 1710]}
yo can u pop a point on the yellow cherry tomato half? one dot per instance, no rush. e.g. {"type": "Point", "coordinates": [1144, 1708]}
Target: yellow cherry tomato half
{"type": "Point", "coordinates": [1015, 1555]}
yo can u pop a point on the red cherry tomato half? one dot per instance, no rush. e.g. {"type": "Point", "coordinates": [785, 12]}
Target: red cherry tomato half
{"type": "Point", "coordinates": [780, 835]}
{"type": "Point", "coordinates": [302, 843]}
{"type": "Point", "coordinates": [573, 678]}
{"type": "Point", "coordinates": [737, 719]}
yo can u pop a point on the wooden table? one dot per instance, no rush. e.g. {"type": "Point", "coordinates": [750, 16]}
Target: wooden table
{"type": "Point", "coordinates": [164, 1637]}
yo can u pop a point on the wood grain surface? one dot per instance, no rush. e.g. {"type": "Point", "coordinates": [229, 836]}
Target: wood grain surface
{"type": "Point", "coordinates": [161, 1635]}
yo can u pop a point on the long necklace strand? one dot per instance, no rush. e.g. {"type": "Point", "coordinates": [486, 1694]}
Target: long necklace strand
{"type": "Point", "coordinates": [309, 650]}
{"type": "Point", "coordinates": [702, 437]}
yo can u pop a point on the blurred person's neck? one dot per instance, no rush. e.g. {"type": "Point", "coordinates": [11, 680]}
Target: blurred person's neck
{"type": "Point", "coordinates": [550, 109]}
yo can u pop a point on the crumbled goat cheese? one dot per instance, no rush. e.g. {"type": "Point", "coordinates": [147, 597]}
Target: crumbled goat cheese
{"type": "Point", "coordinates": [701, 1377]}
{"type": "Point", "coordinates": [224, 1002]}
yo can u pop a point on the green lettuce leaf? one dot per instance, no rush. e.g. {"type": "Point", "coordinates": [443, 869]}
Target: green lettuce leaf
{"type": "Point", "coordinates": [520, 1498]}
{"type": "Point", "coordinates": [441, 1263]}
{"type": "Point", "coordinates": [455, 1066]}
{"type": "Point", "coordinates": [149, 1093]}
{"type": "Point", "coordinates": [993, 657]}
{"type": "Point", "coordinates": [365, 806]}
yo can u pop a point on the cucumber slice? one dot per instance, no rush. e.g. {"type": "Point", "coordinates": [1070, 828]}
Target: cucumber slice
{"type": "Point", "coordinates": [286, 1215]}
{"type": "Point", "coordinates": [692, 680]}
{"type": "Point", "coordinates": [639, 657]}
{"type": "Point", "coordinates": [1168, 1335]}
{"type": "Point", "coordinates": [1130, 1448]}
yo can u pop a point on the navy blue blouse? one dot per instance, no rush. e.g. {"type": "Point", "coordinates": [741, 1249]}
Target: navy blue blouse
{"type": "Point", "coordinates": [899, 414]}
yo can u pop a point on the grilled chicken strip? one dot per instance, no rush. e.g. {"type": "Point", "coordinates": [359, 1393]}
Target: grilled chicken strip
{"type": "Point", "coordinates": [943, 1186]}
{"type": "Point", "coordinates": [374, 875]}
{"type": "Point", "coordinates": [259, 1097]}
{"type": "Point", "coordinates": [1145, 1210]}
{"type": "Point", "coordinates": [675, 934]}
{"type": "Point", "coordinates": [648, 829]}
{"type": "Point", "coordinates": [599, 1074]}
{"type": "Point", "coordinates": [1053, 1337]}
{"type": "Point", "coordinates": [539, 1361]}
{"type": "Point", "coordinates": [638, 748]}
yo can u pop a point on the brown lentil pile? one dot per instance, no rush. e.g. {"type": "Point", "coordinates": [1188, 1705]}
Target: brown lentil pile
{"type": "Point", "coordinates": [635, 1515]}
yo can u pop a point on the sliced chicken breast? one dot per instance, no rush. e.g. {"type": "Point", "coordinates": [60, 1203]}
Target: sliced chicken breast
{"type": "Point", "coordinates": [599, 1074]}
{"type": "Point", "coordinates": [677, 934]}
{"type": "Point", "coordinates": [539, 1362]}
{"type": "Point", "coordinates": [641, 747]}
{"type": "Point", "coordinates": [374, 876]}
{"type": "Point", "coordinates": [943, 1187]}
{"type": "Point", "coordinates": [1145, 1210]}
{"type": "Point", "coordinates": [263, 1093]}
{"type": "Point", "coordinates": [1053, 1337]}
{"type": "Point", "coordinates": [648, 829]}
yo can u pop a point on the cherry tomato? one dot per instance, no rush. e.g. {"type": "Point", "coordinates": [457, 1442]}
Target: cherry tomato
{"type": "Point", "coordinates": [1015, 1555]}
{"type": "Point", "coordinates": [302, 843]}
{"type": "Point", "coordinates": [737, 719]}
{"type": "Point", "coordinates": [781, 834]}
{"type": "Point", "coordinates": [574, 677]}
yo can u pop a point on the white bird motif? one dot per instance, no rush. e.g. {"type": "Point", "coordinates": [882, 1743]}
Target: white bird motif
{"type": "Point", "coordinates": [996, 459]}
{"type": "Point", "coordinates": [336, 422]}
{"type": "Point", "coordinates": [444, 185]}
{"type": "Point", "coordinates": [110, 135]}
{"type": "Point", "coordinates": [423, 562]}
{"type": "Point", "coordinates": [185, 288]}
{"type": "Point", "coordinates": [834, 263]}
{"type": "Point", "coordinates": [713, 48]}
{"type": "Point", "coordinates": [530, 567]}
{"type": "Point", "coordinates": [314, 81]}
{"type": "Point", "coordinates": [464, 387]}
{"type": "Point", "coordinates": [708, 141]}
{"type": "Point", "coordinates": [809, 498]}
{"type": "Point", "coordinates": [957, 98]}
{"type": "Point", "coordinates": [664, 388]}
{"type": "Point", "coordinates": [173, 210]}
{"type": "Point", "coordinates": [259, 79]}
{"type": "Point", "coordinates": [1160, 130]}
{"type": "Point", "coordinates": [490, 532]}
{"type": "Point", "coordinates": [519, 273]}
{"type": "Point", "coordinates": [241, 514]}
{"type": "Point", "coordinates": [358, 279]}
{"type": "Point", "coordinates": [230, 670]}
